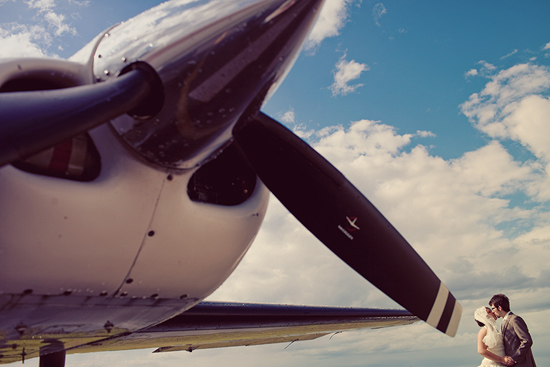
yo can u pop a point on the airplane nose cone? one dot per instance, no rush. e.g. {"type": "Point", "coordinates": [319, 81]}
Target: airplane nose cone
{"type": "Point", "coordinates": [217, 61]}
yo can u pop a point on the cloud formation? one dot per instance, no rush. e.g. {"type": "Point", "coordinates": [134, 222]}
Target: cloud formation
{"type": "Point", "coordinates": [345, 72]}
{"type": "Point", "coordinates": [332, 19]}
{"type": "Point", "coordinates": [288, 117]}
{"type": "Point", "coordinates": [515, 105]}
{"type": "Point", "coordinates": [20, 39]}
{"type": "Point", "coordinates": [377, 11]}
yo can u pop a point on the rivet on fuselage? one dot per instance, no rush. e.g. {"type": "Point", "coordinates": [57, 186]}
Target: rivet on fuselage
{"type": "Point", "coordinates": [108, 326]}
{"type": "Point", "coordinates": [20, 328]}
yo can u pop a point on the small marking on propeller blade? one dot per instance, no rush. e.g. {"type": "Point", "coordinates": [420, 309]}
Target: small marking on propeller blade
{"type": "Point", "coordinates": [352, 221]}
{"type": "Point", "coordinates": [343, 230]}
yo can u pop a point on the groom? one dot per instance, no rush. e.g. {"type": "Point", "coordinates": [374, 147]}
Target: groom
{"type": "Point", "coordinates": [515, 334]}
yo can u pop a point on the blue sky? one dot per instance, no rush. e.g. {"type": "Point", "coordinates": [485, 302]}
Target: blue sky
{"type": "Point", "coordinates": [439, 112]}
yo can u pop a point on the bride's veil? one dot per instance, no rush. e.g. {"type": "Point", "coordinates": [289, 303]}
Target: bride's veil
{"type": "Point", "coordinates": [493, 335]}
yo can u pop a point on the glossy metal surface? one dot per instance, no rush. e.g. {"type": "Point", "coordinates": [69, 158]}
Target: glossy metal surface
{"type": "Point", "coordinates": [218, 61]}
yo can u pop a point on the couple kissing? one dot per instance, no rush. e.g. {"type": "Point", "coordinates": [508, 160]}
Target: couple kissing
{"type": "Point", "coordinates": [510, 346]}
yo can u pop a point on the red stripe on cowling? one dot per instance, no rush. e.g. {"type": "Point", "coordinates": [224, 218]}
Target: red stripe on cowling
{"type": "Point", "coordinates": [61, 156]}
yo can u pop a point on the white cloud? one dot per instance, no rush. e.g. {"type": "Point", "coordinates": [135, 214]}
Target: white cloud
{"type": "Point", "coordinates": [83, 3]}
{"type": "Point", "coordinates": [345, 72]}
{"type": "Point", "coordinates": [425, 134]}
{"type": "Point", "coordinates": [35, 38]}
{"type": "Point", "coordinates": [546, 48]}
{"type": "Point", "coordinates": [21, 41]}
{"type": "Point", "coordinates": [513, 105]}
{"type": "Point", "coordinates": [491, 170]}
{"type": "Point", "coordinates": [45, 9]}
{"type": "Point", "coordinates": [486, 69]}
{"type": "Point", "coordinates": [57, 22]}
{"type": "Point", "coordinates": [471, 72]}
{"type": "Point", "coordinates": [377, 11]}
{"type": "Point", "coordinates": [332, 19]}
{"type": "Point", "coordinates": [41, 5]}
{"type": "Point", "coordinates": [288, 117]}
{"type": "Point", "coordinates": [510, 106]}
{"type": "Point", "coordinates": [487, 65]}
{"type": "Point", "coordinates": [509, 54]}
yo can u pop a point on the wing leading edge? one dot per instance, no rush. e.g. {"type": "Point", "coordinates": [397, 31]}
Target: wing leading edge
{"type": "Point", "coordinates": [217, 325]}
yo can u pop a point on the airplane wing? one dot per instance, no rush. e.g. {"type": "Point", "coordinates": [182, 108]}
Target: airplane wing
{"type": "Point", "coordinates": [219, 324]}
{"type": "Point", "coordinates": [216, 325]}
{"type": "Point", "coordinates": [206, 325]}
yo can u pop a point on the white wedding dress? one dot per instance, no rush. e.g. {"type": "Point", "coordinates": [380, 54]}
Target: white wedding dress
{"type": "Point", "coordinates": [493, 339]}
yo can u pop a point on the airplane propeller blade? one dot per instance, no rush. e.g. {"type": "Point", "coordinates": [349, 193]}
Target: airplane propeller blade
{"type": "Point", "coordinates": [326, 203]}
{"type": "Point", "coordinates": [32, 121]}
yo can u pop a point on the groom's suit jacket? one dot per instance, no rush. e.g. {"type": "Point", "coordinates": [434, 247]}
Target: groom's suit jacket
{"type": "Point", "coordinates": [517, 341]}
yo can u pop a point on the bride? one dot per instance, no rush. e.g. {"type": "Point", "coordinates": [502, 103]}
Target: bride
{"type": "Point", "coordinates": [489, 339]}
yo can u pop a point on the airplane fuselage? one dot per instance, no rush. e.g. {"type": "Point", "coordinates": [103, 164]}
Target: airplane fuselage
{"type": "Point", "coordinates": [139, 219]}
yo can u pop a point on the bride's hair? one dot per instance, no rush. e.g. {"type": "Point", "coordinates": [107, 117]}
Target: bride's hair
{"type": "Point", "coordinates": [480, 323]}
